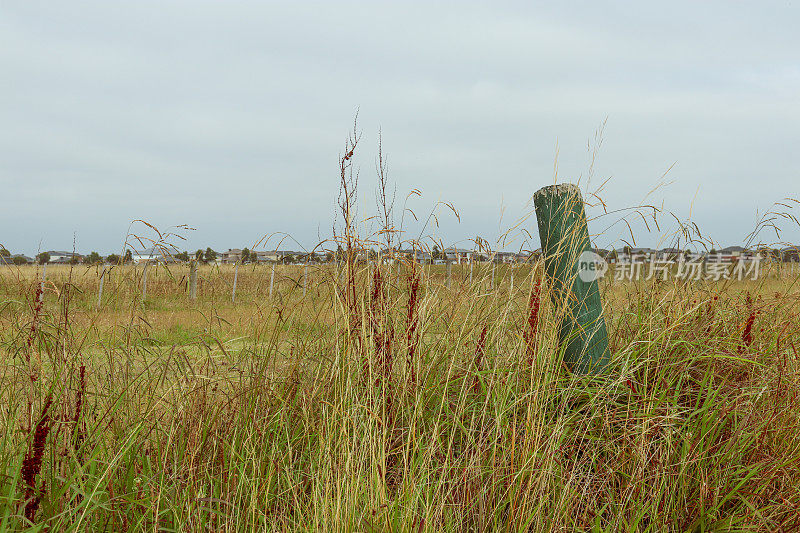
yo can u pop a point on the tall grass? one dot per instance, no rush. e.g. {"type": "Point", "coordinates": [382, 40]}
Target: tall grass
{"type": "Point", "coordinates": [430, 409]}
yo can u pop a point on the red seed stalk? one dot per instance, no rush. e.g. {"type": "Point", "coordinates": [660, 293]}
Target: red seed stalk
{"type": "Point", "coordinates": [747, 334]}
{"type": "Point", "coordinates": [480, 351]}
{"type": "Point", "coordinates": [710, 312]}
{"type": "Point", "coordinates": [532, 326]}
{"type": "Point", "coordinates": [79, 408]}
{"type": "Point", "coordinates": [37, 309]}
{"type": "Point", "coordinates": [32, 464]}
{"type": "Point", "coordinates": [381, 336]}
{"type": "Point", "coordinates": [413, 322]}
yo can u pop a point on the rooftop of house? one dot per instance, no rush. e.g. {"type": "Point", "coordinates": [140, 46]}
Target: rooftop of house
{"type": "Point", "coordinates": [51, 253]}
{"type": "Point", "coordinates": [155, 251]}
{"type": "Point", "coordinates": [10, 258]}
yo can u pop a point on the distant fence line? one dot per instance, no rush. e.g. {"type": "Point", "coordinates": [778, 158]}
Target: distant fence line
{"type": "Point", "coordinates": [272, 278]}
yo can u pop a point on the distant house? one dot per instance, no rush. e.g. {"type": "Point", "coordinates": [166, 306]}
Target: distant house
{"type": "Point", "coordinates": [15, 259]}
{"type": "Point", "coordinates": [462, 255]}
{"type": "Point", "coordinates": [283, 256]}
{"type": "Point", "coordinates": [733, 250]}
{"type": "Point", "coordinates": [418, 256]}
{"type": "Point", "coordinates": [769, 254]}
{"type": "Point", "coordinates": [457, 255]}
{"type": "Point", "coordinates": [145, 256]}
{"type": "Point", "coordinates": [669, 254]}
{"type": "Point", "coordinates": [627, 254]}
{"type": "Point", "coordinates": [264, 256]}
{"type": "Point", "coordinates": [791, 253]}
{"type": "Point", "coordinates": [729, 254]}
{"type": "Point", "coordinates": [644, 253]}
{"type": "Point", "coordinates": [63, 257]}
{"type": "Point", "coordinates": [156, 254]}
{"type": "Point", "coordinates": [621, 255]}
{"type": "Point", "coordinates": [233, 255]}
{"type": "Point", "coordinates": [504, 257]}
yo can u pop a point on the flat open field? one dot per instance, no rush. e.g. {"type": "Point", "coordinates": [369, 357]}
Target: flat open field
{"type": "Point", "coordinates": [392, 400]}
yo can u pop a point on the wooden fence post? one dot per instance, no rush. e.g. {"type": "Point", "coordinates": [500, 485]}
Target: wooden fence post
{"type": "Point", "coordinates": [144, 280]}
{"type": "Point", "coordinates": [235, 279]}
{"type": "Point", "coordinates": [491, 281]}
{"type": "Point", "coordinates": [449, 272]}
{"type": "Point", "coordinates": [193, 279]}
{"type": "Point", "coordinates": [305, 280]}
{"type": "Point", "coordinates": [272, 280]}
{"type": "Point", "coordinates": [512, 279]}
{"type": "Point", "coordinates": [100, 291]}
{"type": "Point", "coordinates": [567, 252]}
{"type": "Point", "coordinates": [41, 283]}
{"type": "Point", "coordinates": [470, 270]}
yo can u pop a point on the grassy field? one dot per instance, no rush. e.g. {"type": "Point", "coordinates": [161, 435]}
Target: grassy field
{"type": "Point", "coordinates": [392, 402]}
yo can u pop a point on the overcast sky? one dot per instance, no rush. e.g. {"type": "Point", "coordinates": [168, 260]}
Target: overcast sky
{"type": "Point", "coordinates": [230, 116]}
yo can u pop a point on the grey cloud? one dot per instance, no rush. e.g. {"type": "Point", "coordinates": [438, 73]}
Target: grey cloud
{"type": "Point", "coordinates": [229, 116]}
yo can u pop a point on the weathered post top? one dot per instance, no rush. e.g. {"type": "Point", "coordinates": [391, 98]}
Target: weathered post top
{"type": "Point", "coordinates": [558, 190]}
{"type": "Point", "coordinates": [565, 244]}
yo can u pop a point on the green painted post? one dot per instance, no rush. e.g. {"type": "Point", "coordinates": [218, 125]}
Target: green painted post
{"type": "Point", "coordinates": [572, 269]}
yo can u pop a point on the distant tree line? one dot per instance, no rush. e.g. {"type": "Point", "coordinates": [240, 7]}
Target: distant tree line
{"type": "Point", "coordinates": [94, 258]}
